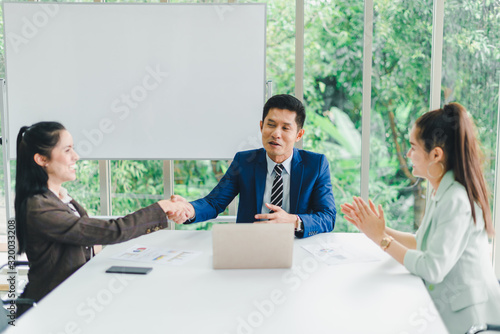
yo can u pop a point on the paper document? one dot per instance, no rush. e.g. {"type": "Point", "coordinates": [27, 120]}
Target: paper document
{"type": "Point", "coordinates": [155, 255]}
{"type": "Point", "coordinates": [338, 253]}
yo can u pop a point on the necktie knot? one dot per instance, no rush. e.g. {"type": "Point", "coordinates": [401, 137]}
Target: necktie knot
{"type": "Point", "coordinates": [278, 169]}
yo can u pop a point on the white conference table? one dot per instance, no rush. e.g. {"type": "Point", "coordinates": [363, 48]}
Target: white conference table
{"type": "Point", "coordinates": [311, 297]}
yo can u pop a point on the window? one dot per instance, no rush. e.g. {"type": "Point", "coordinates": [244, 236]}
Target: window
{"type": "Point", "coordinates": [333, 93]}
{"type": "Point", "coordinates": [402, 34]}
{"type": "Point", "coordinates": [471, 69]}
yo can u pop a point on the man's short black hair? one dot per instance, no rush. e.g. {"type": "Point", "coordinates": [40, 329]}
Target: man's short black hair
{"type": "Point", "coordinates": [288, 102]}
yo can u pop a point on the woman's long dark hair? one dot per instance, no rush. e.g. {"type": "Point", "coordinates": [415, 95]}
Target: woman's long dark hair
{"type": "Point", "coordinates": [451, 129]}
{"type": "Point", "coordinates": [31, 178]}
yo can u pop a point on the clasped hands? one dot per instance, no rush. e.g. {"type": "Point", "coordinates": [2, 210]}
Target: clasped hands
{"type": "Point", "coordinates": [366, 218]}
{"type": "Point", "coordinates": [179, 210]}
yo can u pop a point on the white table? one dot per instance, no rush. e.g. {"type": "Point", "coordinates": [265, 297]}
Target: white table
{"type": "Point", "coordinates": [312, 297]}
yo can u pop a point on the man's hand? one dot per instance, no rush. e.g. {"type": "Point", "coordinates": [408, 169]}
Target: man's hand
{"type": "Point", "coordinates": [180, 210]}
{"type": "Point", "coordinates": [278, 216]}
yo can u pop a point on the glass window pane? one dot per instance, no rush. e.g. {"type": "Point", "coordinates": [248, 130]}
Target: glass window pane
{"type": "Point", "coordinates": [85, 189]}
{"type": "Point", "coordinates": [195, 179]}
{"type": "Point", "coordinates": [402, 34]}
{"type": "Point", "coordinates": [135, 184]}
{"type": "Point", "coordinates": [471, 69]}
{"type": "Point", "coordinates": [333, 92]}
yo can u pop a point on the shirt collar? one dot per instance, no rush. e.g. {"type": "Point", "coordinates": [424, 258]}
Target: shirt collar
{"type": "Point", "coordinates": [446, 182]}
{"type": "Point", "coordinates": [63, 195]}
{"type": "Point", "coordinates": [287, 164]}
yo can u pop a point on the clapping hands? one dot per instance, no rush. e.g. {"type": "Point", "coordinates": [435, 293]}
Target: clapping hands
{"type": "Point", "coordinates": [365, 217]}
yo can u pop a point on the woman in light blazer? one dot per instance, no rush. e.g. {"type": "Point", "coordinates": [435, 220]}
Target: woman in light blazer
{"type": "Point", "coordinates": [450, 250]}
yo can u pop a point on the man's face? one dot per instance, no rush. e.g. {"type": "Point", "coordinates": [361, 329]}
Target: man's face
{"type": "Point", "coordinates": [280, 133]}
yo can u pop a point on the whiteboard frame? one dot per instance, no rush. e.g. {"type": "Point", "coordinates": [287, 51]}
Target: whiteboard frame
{"type": "Point", "coordinates": [10, 148]}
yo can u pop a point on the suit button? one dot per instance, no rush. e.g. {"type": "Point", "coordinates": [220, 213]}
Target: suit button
{"type": "Point", "coordinates": [148, 231]}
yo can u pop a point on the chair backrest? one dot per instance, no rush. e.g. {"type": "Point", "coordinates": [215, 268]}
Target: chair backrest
{"type": "Point", "coordinates": [483, 328]}
{"type": "Point", "coordinates": [8, 314]}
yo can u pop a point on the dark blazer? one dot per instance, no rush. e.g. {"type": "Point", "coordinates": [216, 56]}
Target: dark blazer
{"type": "Point", "coordinates": [59, 242]}
{"type": "Point", "coordinates": [311, 194]}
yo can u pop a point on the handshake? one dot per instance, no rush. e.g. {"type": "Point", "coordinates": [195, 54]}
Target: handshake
{"type": "Point", "coordinates": [177, 209]}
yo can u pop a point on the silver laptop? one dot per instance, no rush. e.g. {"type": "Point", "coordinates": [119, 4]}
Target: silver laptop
{"type": "Point", "coordinates": [252, 246]}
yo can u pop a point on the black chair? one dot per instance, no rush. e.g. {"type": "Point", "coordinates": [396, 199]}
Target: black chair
{"type": "Point", "coordinates": [483, 328]}
{"type": "Point", "coordinates": [8, 312]}
{"type": "Point", "coordinates": [16, 263]}
{"type": "Point", "coordinates": [8, 315]}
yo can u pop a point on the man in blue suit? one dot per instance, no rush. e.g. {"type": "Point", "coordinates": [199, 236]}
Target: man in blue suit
{"type": "Point", "coordinates": [277, 183]}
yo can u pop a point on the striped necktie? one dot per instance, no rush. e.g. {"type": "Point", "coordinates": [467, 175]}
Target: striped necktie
{"type": "Point", "coordinates": [277, 190]}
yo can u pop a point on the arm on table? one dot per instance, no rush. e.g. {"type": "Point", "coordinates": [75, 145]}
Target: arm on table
{"type": "Point", "coordinates": [406, 239]}
{"type": "Point", "coordinates": [54, 221]}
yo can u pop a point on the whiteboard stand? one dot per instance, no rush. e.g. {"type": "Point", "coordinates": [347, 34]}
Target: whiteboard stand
{"type": "Point", "coordinates": [6, 161]}
{"type": "Point", "coordinates": [269, 85]}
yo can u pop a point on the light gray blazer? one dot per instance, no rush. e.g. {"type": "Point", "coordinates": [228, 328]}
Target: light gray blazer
{"type": "Point", "coordinates": [453, 259]}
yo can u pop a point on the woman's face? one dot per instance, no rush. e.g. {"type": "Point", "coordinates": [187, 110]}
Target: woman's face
{"type": "Point", "coordinates": [419, 157]}
{"type": "Point", "coordinates": [61, 166]}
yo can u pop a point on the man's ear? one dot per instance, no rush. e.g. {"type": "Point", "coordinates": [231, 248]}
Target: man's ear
{"type": "Point", "coordinates": [261, 126]}
{"type": "Point", "coordinates": [300, 134]}
{"type": "Point", "coordinates": [40, 160]}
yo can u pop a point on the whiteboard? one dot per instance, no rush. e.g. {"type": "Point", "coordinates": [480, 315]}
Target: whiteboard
{"type": "Point", "coordinates": [138, 81]}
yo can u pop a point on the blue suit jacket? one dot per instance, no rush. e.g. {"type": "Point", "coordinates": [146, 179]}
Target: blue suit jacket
{"type": "Point", "coordinates": [311, 194]}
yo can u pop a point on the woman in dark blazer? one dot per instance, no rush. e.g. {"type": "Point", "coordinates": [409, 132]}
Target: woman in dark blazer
{"type": "Point", "coordinates": [54, 230]}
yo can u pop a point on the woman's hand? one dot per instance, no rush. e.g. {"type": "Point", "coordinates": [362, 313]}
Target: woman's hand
{"type": "Point", "coordinates": [366, 218]}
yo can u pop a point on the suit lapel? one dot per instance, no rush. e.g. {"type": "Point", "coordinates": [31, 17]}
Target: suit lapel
{"type": "Point", "coordinates": [79, 208]}
{"type": "Point", "coordinates": [81, 211]}
{"type": "Point", "coordinates": [260, 178]}
{"type": "Point", "coordinates": [295, 180]}
{"type": "Point", "coordinates": [423, 230]}
{"type": "Point", "coordinates": [430, 206]}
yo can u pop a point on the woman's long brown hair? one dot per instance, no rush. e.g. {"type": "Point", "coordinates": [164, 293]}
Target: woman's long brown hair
{"type": "Point", "coordinates": [451, 129]}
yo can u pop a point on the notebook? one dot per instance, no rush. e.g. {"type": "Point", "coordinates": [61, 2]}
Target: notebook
{"type": "Point", "coordinates": [252, 246]}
